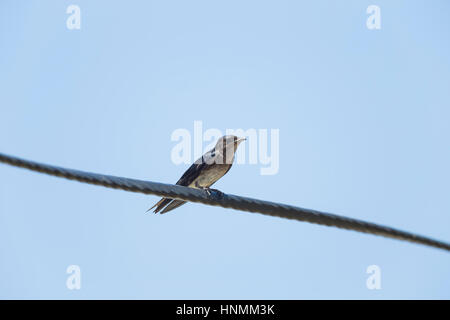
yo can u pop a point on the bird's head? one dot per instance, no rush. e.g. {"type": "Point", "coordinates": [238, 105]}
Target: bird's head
{"type": "Point", "coordinates": [227, 146]}
{"type": "Point", "coordinates": [229, 141]}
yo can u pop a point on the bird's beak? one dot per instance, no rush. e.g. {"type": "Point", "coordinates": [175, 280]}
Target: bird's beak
{"type": "Point", "coordinates": [239, 140]}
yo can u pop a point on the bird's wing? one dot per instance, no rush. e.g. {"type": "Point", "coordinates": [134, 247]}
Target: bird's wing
{"type": "Point", "coordinates": [186, 179]}
{"type": "Point", "coordinates": [189, 177]}
{"type": "Point", "coordinates": [192, 173]}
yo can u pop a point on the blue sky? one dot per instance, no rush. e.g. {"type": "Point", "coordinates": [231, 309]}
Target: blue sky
{"type": "Point", "coordinates": [364, 126]}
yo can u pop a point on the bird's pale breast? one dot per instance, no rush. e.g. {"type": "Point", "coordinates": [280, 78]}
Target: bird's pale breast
{"type": "Point", "coordinates": [210, 175]}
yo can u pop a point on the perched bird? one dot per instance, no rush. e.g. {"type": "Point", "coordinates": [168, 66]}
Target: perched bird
{"type": "Point", "coordinates": [204, 172]}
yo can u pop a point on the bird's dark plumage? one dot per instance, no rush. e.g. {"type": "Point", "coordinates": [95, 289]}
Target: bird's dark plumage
{"type": "Point", "coordinates": [202, 174]}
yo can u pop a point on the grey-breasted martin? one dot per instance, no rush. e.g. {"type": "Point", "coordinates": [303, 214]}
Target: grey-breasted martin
{"type": "Point", "coordinates": [204, 172]}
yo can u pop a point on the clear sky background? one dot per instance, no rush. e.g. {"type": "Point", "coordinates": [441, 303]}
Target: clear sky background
{"type": "Point", "coordinates": [364, 132]}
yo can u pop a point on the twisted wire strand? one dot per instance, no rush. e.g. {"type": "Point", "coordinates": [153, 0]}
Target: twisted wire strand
{"type": "Point", "coordinates": [224, 200]}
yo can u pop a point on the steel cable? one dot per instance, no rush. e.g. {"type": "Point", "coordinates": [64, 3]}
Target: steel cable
{"type": "Point", "coordinates": [224, 200]}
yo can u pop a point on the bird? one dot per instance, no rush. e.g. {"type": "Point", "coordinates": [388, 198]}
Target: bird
{"type": "Point", "coordinates": [205, 171]}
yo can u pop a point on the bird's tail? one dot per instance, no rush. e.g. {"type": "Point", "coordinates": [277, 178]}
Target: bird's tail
{"type": "Point", "coordinates": [160, 204]}
{"type": "Point", "coordinates": [167, 204]}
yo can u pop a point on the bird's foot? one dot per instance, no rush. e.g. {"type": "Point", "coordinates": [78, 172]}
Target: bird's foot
{"type": "Point", "coordinates": [214, 193]}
